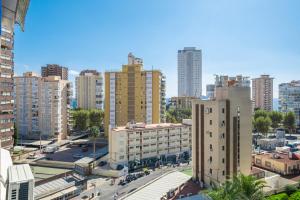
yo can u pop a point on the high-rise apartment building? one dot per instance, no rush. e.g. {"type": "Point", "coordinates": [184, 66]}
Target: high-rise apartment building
{"type": "Point", "coordinates": [12, 11]}
{"type": "Point", "coordinates": [26, 91]}
{"type": "Point", "coordinates": [89, 90]}
{"type": "Point", "coordinates": [210, 91]}
{"type": "Point", "coordinates": [134, 94]}
{"type": "Point", "coordinates": [289, 99]}
{"type": "Point", "coordinates": [262, 92]}
{"type": "Point", "coordinates": [54, 105]}
{"type": "Point", "coordinates": [221, 132]}
{"type": "Point", "coordinates": [189, 62]}
{"type": "Point", "coordinates": [55, 70]}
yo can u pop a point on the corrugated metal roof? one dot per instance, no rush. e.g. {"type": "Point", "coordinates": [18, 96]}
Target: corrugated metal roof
{"type": "Point", "coordinates": [156, 189]}
{"type": "Point", "coordinates": [19, 173]}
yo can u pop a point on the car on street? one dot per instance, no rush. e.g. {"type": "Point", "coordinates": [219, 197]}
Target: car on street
{"type": "Point", "coordinates": [77, 155]}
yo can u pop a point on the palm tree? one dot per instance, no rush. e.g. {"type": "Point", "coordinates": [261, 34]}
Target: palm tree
{"type": "Point", "coordinates": [94, 131]}
{"type": "Point", "coordinates": [241, 187]}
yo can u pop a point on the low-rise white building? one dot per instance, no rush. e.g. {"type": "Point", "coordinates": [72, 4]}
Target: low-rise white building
{"type": "Point", "coordinates": [146, 143]}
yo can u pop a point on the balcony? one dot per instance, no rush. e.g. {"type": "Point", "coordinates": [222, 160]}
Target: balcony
{"type": "Point", "coordinates": [6, 62]}
{"type": "Point", "coordinates": [6, 116]}
{"type": "Point", "coordinates": [7, 53]}
{"type": "Point", "coordinates": [6, 107]}
{"type": "Point", "coordinates": [6, 44]}
{"type": "Point", "coordinates": [6, 80]}
{"type": "Point", "coordinates": [7, 144]}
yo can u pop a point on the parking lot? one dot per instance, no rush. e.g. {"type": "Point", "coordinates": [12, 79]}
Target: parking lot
{"type": "Point", "coordinates": [74, 153]}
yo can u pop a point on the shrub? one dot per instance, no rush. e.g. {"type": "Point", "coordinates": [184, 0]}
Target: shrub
{"type": "Point", "coordinates": [295, 196]}
{"type": "Point", "coordinates": [281, 196]}
{"type": "Point", "coordinates": [290, 189]}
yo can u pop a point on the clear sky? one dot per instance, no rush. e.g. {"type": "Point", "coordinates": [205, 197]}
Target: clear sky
{"type": "Point", "coordinates": [237, 37]}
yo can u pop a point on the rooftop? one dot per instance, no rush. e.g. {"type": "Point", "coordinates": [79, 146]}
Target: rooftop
{"type": "Point", "coordinates": [159, 187]}
{"type": "Point", "coordinates": [140, 126]}
{"type": "Point", "coordinates": [20, 173]}
{"type": "Point", "coordinates": [279, 157]}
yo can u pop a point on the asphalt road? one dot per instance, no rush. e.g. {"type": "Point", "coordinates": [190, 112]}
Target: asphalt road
{"type": "Point", "coordinates": [108, 191]}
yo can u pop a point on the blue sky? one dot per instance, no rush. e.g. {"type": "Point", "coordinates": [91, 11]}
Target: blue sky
{"type": "Point", "coordinates": [237, 37]}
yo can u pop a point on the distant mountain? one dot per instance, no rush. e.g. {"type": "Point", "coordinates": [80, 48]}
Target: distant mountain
{"type": "Point", "coordinates": [275, 104]}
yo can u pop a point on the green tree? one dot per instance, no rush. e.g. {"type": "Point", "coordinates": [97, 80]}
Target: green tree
{"type": "Point", "coordinates": [260, 113]}
{"type": "Point", "coordinates": [94, 133]}
{"type": "Point", "coordinates": [262, 124]}
{"type": "Point", "coordinates": [176, 115]}
{"type": "Point", "coordinates": [290, 189]}
{"type": "Point", "coordinates": [81, 119]}
{"type": "Point", "coordinates": [241, 187]}
{"type": "Point", "coordinates": [289, 121]}
{"type": "Point", "coordinates": [16, 135]}
{"type": "Point", "coordinates": [96, 117]}
{"type": "Point", "coordinates": [276, 118]}
{"type": "Point", "coordinates": [295, 196]}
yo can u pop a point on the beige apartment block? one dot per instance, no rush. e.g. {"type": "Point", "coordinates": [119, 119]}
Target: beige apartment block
{"type": "Point", "coordinates": [134, 94]}
{"type": "Point", "coordinates": [278, 162]}
{"type": "Point", "coordinates": [54, 105]}
{"type": "Point", "coordinates": [26, 92]}
{"type": "Point", "coordinates": [181, 102]}
{"type": "Point", "coordinates": [262, 92]}
{"type": "Point", "coordinates": [89, 90]}
{"type": "Point", "coordinates": [143, 142]}
{"type": "Point", "coordinates": [221, 132]}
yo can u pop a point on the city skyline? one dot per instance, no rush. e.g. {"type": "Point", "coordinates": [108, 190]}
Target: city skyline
{"type": "Point", "coordinates": [262, 39]}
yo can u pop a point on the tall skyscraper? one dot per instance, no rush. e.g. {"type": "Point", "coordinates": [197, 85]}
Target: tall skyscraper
{"type": "Point", "coordinates": [54, 105]}
{"type": "Point", "coordinates": [289, 99]}
{"type": "Point", "coordinates": [55, 70]}
{"type": "Point", "coordinates": [89, 90]}
{"type": "Point", "coordinates": [134, 94]}
{"type": "Point", "coordinates": [210, 91]}
{"type": "Point", "coordinates": [221, 132]}
{"type": "Point", "coordinates": [262, 92]}
{"type": "Point", "coordinates": [12, 12]}
{"type": "Point", "coordinates": [189, 61]}
{"type": "Point", "coordinates": [27, 91]}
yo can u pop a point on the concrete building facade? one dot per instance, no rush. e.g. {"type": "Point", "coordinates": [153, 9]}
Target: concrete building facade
{"type": "Point", "coordinates": [26, 91]}
{"type": "Point", "coordinates": [134, 94]}
{"type": "Point", "coordinates": [152, 141]}
{"type": "Point", "coordinates": [55, 70]}
{"type": "Point", "coordinates": [289, 99]}
{"type": "Point", "coordinates": [12, 12]}
{"type": "Point", "coordinates": [221, 132]}
{"type": "Point", "coordinates": [89, 90]}
{"type": "Point", "coordinates": [262, 92]}
{"type": "Point", "coordinates": [181, 102]}
{"type": "Point", "coordinates": [189, 69]}
{"type": "Point", "coordinates": [54, 105]}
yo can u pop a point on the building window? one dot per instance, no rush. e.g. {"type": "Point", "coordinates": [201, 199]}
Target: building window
{"type": "Point", "coordinates": [210, 134]}
{"type": "Point", "coordinates": [223, 148]}
{"type": "Point", "coordinates": [223, 110]}
{"type": "Point", "coordinates": [223, 160]}
{"type": "Point", "coordinates": [210, 147]}
{"type": "Point", "coordinates": [210, 122]}
{"type": "Point", "coordinates": [258, 161]}
{"type": "Point", "coordinates": [210, 171]}
{"type": "Point", "coordinates": [223, 172]}
{"type": "Point", "coordinates": [210, 110]}
{"type": "Point", "coordinates": [210, 159]}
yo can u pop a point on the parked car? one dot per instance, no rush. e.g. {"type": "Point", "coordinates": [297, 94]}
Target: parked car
{"type": "Point", "coordinates": [122, 182]}
{"type": "Point", "coordinates": [77, 155]}
{"type": "Point", "coordinates": [50, 149]}
{"type": "Point", "coordinates": [102, 163]}
{"type": "Point", "coordinates": [84, 148]}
